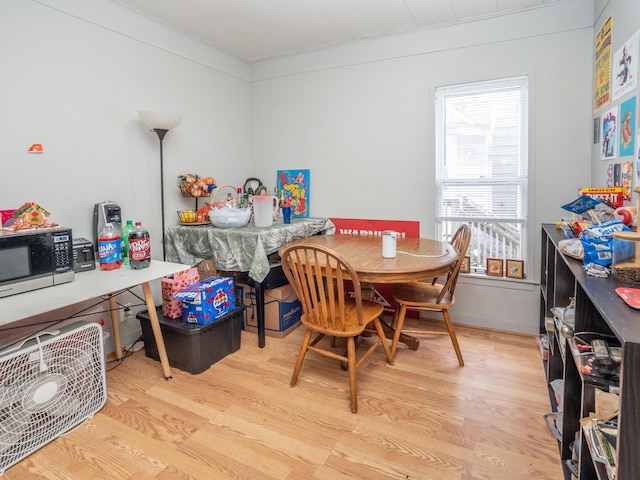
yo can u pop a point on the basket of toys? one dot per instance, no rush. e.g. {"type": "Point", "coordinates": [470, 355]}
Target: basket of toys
{"type": "Point", "coordinates": [226, 214]}
{"type": "Point", "coordinates": [192, 185]}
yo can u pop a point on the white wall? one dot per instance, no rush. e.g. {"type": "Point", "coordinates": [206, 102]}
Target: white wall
{"type": "Point", "coordinates": [74, 75]}
{"type": "Point", "coordinates": [361, 118]}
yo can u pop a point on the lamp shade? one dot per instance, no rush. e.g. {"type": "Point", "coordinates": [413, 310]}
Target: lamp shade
{"type": "Point", "coordinates": [160, 120]}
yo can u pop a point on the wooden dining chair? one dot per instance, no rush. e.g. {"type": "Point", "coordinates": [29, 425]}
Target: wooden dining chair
{"type": "Point", "coordinates": [432, 297]}
{"type": "Point", "coordinates": [329, 309]}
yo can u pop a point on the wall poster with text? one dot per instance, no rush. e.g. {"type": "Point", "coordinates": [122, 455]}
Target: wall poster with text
{"type": "Point", "coordinates": [621, 175]}
{"type": "Point", "coordinates": [624, 69]}
{"type": "Point", "coordinates": [609, 134]}
{"type": "Point", "coordinates": [295, 184]}
{"type": "Point", "coordinates": [602, 66]}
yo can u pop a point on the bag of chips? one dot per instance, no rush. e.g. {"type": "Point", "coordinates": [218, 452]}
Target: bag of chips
{"type": "Point", "coordinates": [597, 242]}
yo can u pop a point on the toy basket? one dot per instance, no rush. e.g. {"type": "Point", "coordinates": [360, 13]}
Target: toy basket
{"type": "Point", "coordinates": [224, 215]}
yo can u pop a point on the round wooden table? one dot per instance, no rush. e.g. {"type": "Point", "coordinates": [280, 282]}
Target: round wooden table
{"type": "Point", "coordinates": [416, 259]}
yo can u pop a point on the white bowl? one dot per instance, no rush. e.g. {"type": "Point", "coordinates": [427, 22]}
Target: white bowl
{"type": "Point", "coordinates": [229, 217]}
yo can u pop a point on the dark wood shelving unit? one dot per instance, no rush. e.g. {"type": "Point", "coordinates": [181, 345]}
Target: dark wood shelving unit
{"type": "Point", "coordinates": [597, 309]}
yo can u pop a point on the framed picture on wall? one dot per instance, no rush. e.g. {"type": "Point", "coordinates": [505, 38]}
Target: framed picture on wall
{"type": "Point", "coordinates": [515, 268]}
{"type": "Point", "coordinates": [466, 265]}
{"type": "Point", "coordinates": [494, 267]}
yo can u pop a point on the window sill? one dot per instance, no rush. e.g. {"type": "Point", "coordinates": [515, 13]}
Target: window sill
{"type": "Point", "coordinates": [498, 282]}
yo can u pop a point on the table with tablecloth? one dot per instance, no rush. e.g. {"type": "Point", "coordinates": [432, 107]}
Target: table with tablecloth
{"type": "Point", "coordinates": [244, 249]}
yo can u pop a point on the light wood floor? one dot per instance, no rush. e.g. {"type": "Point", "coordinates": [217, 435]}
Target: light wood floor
{"type": "Point", "coordinates": [424, 418]}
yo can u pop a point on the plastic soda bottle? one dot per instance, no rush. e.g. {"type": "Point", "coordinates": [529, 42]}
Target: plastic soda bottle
{"type": "Point", "coordinates": [139, 248]}
{"type": "Point", "coordinates": [109, 248]}
{"type": "Point", "coordinates": [124, 241]}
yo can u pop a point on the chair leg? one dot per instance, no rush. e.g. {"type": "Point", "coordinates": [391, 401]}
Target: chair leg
{"type": "Point", "coordinates": [452, 334]}
{"type": "Point", "coordinates": [383, 340]}
{"type": "Point", "coordinates": [394, 320]}
{"type": "Point", "coordinates": [303, 351]}
{"type": "Point", "coordinates": [351, 364]}
{"type": "Point", "coordinates": [401, 311]}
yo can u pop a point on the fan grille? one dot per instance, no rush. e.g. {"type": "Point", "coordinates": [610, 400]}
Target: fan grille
{"type": "Point", "coordinates": [46, 388]}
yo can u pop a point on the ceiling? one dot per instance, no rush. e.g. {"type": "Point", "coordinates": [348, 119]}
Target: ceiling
{"type": "Point", "coordinates": [253, 30]}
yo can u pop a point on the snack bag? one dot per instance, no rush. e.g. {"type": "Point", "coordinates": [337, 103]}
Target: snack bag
{"type": "Point", "coordinates": [597, 241]}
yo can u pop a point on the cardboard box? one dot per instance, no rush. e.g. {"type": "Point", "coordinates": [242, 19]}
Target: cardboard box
{"type": "Point", "coordinates": [170, 286]}
{"type": "Point", "coordinates": [282, 310]}
{"type": "Point", "coordinates": [208, 300]}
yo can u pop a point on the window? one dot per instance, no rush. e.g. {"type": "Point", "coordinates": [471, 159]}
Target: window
{"type": "Point", "coordinates": [481, 166]}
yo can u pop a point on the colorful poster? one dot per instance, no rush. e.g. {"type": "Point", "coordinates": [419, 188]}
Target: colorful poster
{"type": "Point", "coordinates": [602, 66]}
{"type": "Point", "coordinates": [609, 134]}
{"type": "Point", "coordinates": [625, 67]}
{"type": "Point", "coordinates": [627, 122]}
{"type": "Point", "coordinates": [295, 184]}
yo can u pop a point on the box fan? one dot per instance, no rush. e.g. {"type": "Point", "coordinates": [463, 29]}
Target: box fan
{"type": "Point", "coordinates": [48, 384]}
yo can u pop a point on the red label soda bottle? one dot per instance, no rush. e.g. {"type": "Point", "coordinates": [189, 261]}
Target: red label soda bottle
{"type": "Point", "coordinates": [139, 248]}
{"type": "Point", "coordinates": [109, 248]}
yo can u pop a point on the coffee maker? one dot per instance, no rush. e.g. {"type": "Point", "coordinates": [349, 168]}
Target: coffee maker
{"type": "Point", "coordinates": [105, 212]}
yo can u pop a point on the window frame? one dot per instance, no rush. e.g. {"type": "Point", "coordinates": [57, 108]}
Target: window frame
{"type": "Point", "coordinates": [522, 181]}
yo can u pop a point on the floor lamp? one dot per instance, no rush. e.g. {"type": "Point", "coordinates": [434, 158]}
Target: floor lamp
{"type": "Point", "coordinates": [161, 123]}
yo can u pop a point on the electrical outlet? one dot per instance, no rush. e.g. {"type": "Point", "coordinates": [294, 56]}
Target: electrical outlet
{"type": "Point", "coordinates": [127, 313]}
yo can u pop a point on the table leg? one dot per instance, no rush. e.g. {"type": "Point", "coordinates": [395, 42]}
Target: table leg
{"type": "Point", "coordinates": [412, 342]}
{"type": "Point", "coordinates": [115, 325]}
{"type": "Point", "coordinates": [368, 293]}
{"type": "Point", "coordinates": [157, 332]}
{"type": "Point", "coordinates": [260, 314]}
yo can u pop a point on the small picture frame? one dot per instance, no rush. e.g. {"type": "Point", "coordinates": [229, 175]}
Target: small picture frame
{"type": "Point", "coordinates": [495, 267]}
{"type": "Point", "coordinates": [466, 265]}
{"type": "Point", "coordinates": [515, 268]}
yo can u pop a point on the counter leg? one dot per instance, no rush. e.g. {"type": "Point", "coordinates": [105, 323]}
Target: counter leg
{"type": "Point", "coordinates": [157, 332]}
{"type": "Point", "coordinates": [260, 314]}
{"type": "Point", "coordinates": [115, 325]}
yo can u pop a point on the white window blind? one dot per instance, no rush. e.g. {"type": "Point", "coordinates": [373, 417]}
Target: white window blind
{"type": "Point", "coordinates": [481, 173]}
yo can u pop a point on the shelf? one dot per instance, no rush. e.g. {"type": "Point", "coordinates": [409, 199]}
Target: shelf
{"type": "Point", "coordinates": [599, 313]}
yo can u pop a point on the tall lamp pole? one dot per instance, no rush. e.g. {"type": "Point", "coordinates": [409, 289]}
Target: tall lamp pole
{"type": "Point", "coordinates": [161, 123]}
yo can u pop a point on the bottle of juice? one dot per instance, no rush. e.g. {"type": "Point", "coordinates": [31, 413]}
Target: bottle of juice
{"type": "Point", "coordinates": [109, 248]}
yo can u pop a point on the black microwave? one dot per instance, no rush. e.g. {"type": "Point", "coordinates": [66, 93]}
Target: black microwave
{"type": "Point", "coordinates": [33, 259]}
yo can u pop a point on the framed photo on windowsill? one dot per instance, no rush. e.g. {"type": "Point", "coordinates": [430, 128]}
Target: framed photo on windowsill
{"type": "Point", "coordinates": [515, 268]}
{"type": "Point", "coordinates": [466, 265]}
{"type": "Point", "coordinates": [494, 267]}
